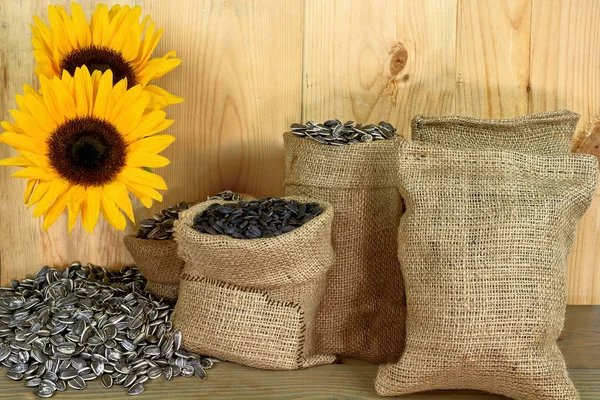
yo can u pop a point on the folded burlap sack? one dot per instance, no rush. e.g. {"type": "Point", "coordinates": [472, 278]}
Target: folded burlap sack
{"type": "Point", "coordinates": [483, 245]}
{"type": "Point", "coordinates": [543, 133]}
{"type": "Point", "coordinates": [159, 262]}
{"type": "Point", "coordinates": [254, 301]}
{"type": "Point", "coordinates": [362, 313]}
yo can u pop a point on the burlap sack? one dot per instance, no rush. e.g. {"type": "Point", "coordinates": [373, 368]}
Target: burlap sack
{"type": "Point", "coordinates": [254, 301]}
{"type": "Point", "coordinates": [159, 262]}
{"type": "Point", "coordinates": [362, 313]}
{"type": "Point", "coordinates": [544, 133]}
{"type": "Point", "coordinates": [483, 245]}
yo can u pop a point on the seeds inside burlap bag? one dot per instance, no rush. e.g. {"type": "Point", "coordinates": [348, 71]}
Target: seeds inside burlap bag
{"type": "Point", "coordinates": [159, 262]}
{"type": "Point", "coordinates": [362, 313]}
{"type": "Point", "coordinates": [254, 301]}
{"type": "Point", "coordinates": [483, 245]}
{"type": "Point", "coordinates": [544, 133]}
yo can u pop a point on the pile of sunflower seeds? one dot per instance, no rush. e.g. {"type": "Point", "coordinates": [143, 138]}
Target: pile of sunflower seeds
{"type": "Point", "coordinates": [160, 226]}
{"type": "Point", "coordinates": [262, 218]}
{"type": "Point", "coordinates": [63, 328]}
{"type": "Point", "coordinates": [334, 132]}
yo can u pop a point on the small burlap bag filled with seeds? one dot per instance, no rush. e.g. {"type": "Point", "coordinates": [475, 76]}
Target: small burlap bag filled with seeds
{"type": "Point", "coordinates": [544, 133]}
{"type": "Point", "coordinates": [483, 245]}
{"type": "Point", "coordinates": [155, 252]}
{"type": "Point", "coordinates": [159, 262]}
{"type": "Point", "coordinates": [254, 301]}
{"type": "Point", "coordinates": [362, 314]}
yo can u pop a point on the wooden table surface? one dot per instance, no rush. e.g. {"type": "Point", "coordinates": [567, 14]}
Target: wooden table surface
{"type": "Point", "coordinates": [351, 379]}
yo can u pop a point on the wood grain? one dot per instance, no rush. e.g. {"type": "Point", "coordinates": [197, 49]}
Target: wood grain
{"type": "Point", "coordinates": [492, 58]}
{"type": "Point", "coordinates": [241, 78]}
{"type": "Point", "coordinates": [232, 381]}
{"type": "Point", "coordinates": [565, 73]}
{"type": "Point", "coordinates": [381, 60]}
{"type": "Point", "coordinates": [351, 380]}
{"type": "Point", "coordinates": [251, 68]}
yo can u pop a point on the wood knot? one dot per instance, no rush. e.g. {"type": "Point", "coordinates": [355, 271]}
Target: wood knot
{"type": "Point", "coordinates": [399, 58]}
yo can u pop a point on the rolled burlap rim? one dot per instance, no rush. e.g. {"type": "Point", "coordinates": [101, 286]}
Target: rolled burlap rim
{"type": "Point", "coordinates": [339, 166]}
{"type": "Point", "coordinates": [550, 117]}
{"type": "Point", "coordinates": [218, 248]}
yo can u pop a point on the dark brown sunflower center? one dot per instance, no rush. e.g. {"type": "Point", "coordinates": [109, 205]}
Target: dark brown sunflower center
{"type": "Point", "coordinates": [87, 151]}
{"type": "Point", "coordinates": [101, 59]}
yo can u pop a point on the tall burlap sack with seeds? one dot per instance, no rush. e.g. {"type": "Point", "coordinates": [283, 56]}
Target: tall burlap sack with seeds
{"type": "Point", "coordinates": [362, 314]}
{"type": "Point", "coordinates": [544, 133]}
{"type": "Point", "coordinates": [483, 245]}
{"type": "Point", "coordinates": [254, 301]}
{"type": "Point", "coordinates": [159, 262]}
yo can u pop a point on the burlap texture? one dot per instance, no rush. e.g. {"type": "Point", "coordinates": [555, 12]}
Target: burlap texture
{"type": "Point", "coordinates": [544, 133]}
{"type": "Point", "coordinates": [159, 263]}
{"type": "Point", "coordinates": [483, 245]}
{"type": "Point", "coordinates": [362, 313]}
{"type": "Point", "coordinates": [162, 290]}
{"type": "Point", "coordinates": [254, 301]}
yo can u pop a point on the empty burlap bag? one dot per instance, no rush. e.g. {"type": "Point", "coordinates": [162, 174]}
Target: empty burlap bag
{"type": "Point", "coordinates": [158, 261]}
{"type": "Point", "coordinates": [254, 301]}
{"type": "Point", "coordinates": [483, 245]}
{"type": "Point", "coordinates": [362, 313]}
{"type": "Point", "coordinates": [544, 133]}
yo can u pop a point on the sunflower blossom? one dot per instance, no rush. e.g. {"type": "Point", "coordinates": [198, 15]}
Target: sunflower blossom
{"type": "Point", "coordinates": [114, 39]}
{"type": "Point", "coordinates": [83, 145]}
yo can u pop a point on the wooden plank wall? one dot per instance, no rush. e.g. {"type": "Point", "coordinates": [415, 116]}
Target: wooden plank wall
{"type": "Point", "coordinates": [252, 68]}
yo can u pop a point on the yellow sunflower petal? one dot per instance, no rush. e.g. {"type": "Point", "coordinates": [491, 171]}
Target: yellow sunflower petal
{"type": "Point", "coordinates": [84, 35]}
{"type": "Point", "coordinates": [112, 214]}
{"type": "Point", "coordinates": [142, 177]}
{"type": "Point", "coordinates": [160, 98]}
{"type": "Point", "coordinates": [35, 160]}
{"type": "Point", "coordinates": [24, 142]}
{"type": "Point", "coordinates": [104, 90]}
{"type": "Point", "coordinates": [146, 191]}
{"type": "Point", "coordinates": [55, 211]}
{"type": "Point", "coordinates": [16, 162]}
{"type": "Point", "coordinates": [99, 24]}
{"type": "Point", "coordinates": [143, 159]}
{"type": "Point", "coordinates": [40, 190]}
{"type": "Point", "coordinates": [91, 207]}
{"type": "Point", "coordinates": [157, 67]}
{"type": "Point", "coordinates": [36, 103]}
{"type": "Point", "coordinates": [73, 210]}
{"type": "Point", "coordinates": [35, 173]}
{"type": "Point", "coordinates": [153, 144]}
{"type": "Point", "coordinates": [83, 92]}
{"type": "Point", "coordinates": [151, 123]}
{"type": "Point", "coordinates": [117, 93]}
{"type": "Point", "coordinates": [64, 41]}
{"type": "Point", "coordinates": [76, 194]}
{"type": "Point", "coordinates": [29, 190]}
{"type": "Point", "coordinates": [57, 187]}
{"type": "Point", "coordinates": [126, 100]}
{"type": "Point", "coordinates": [148, 45]}
{"type": "Point", "coordinates": [29, 125]}
{"type": "Point", "coordinates": [129, 117]}
{"type": "Point", "coordinates": [10, 127]}
{"type": "Point", "coordinates": [144, 199]}
{"type": "Point", "coordinates": [63, 97]}
{"type": "Point", "coordinates": [117, 192]}
{"type": "Point", "coordinates": [51, 101]}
